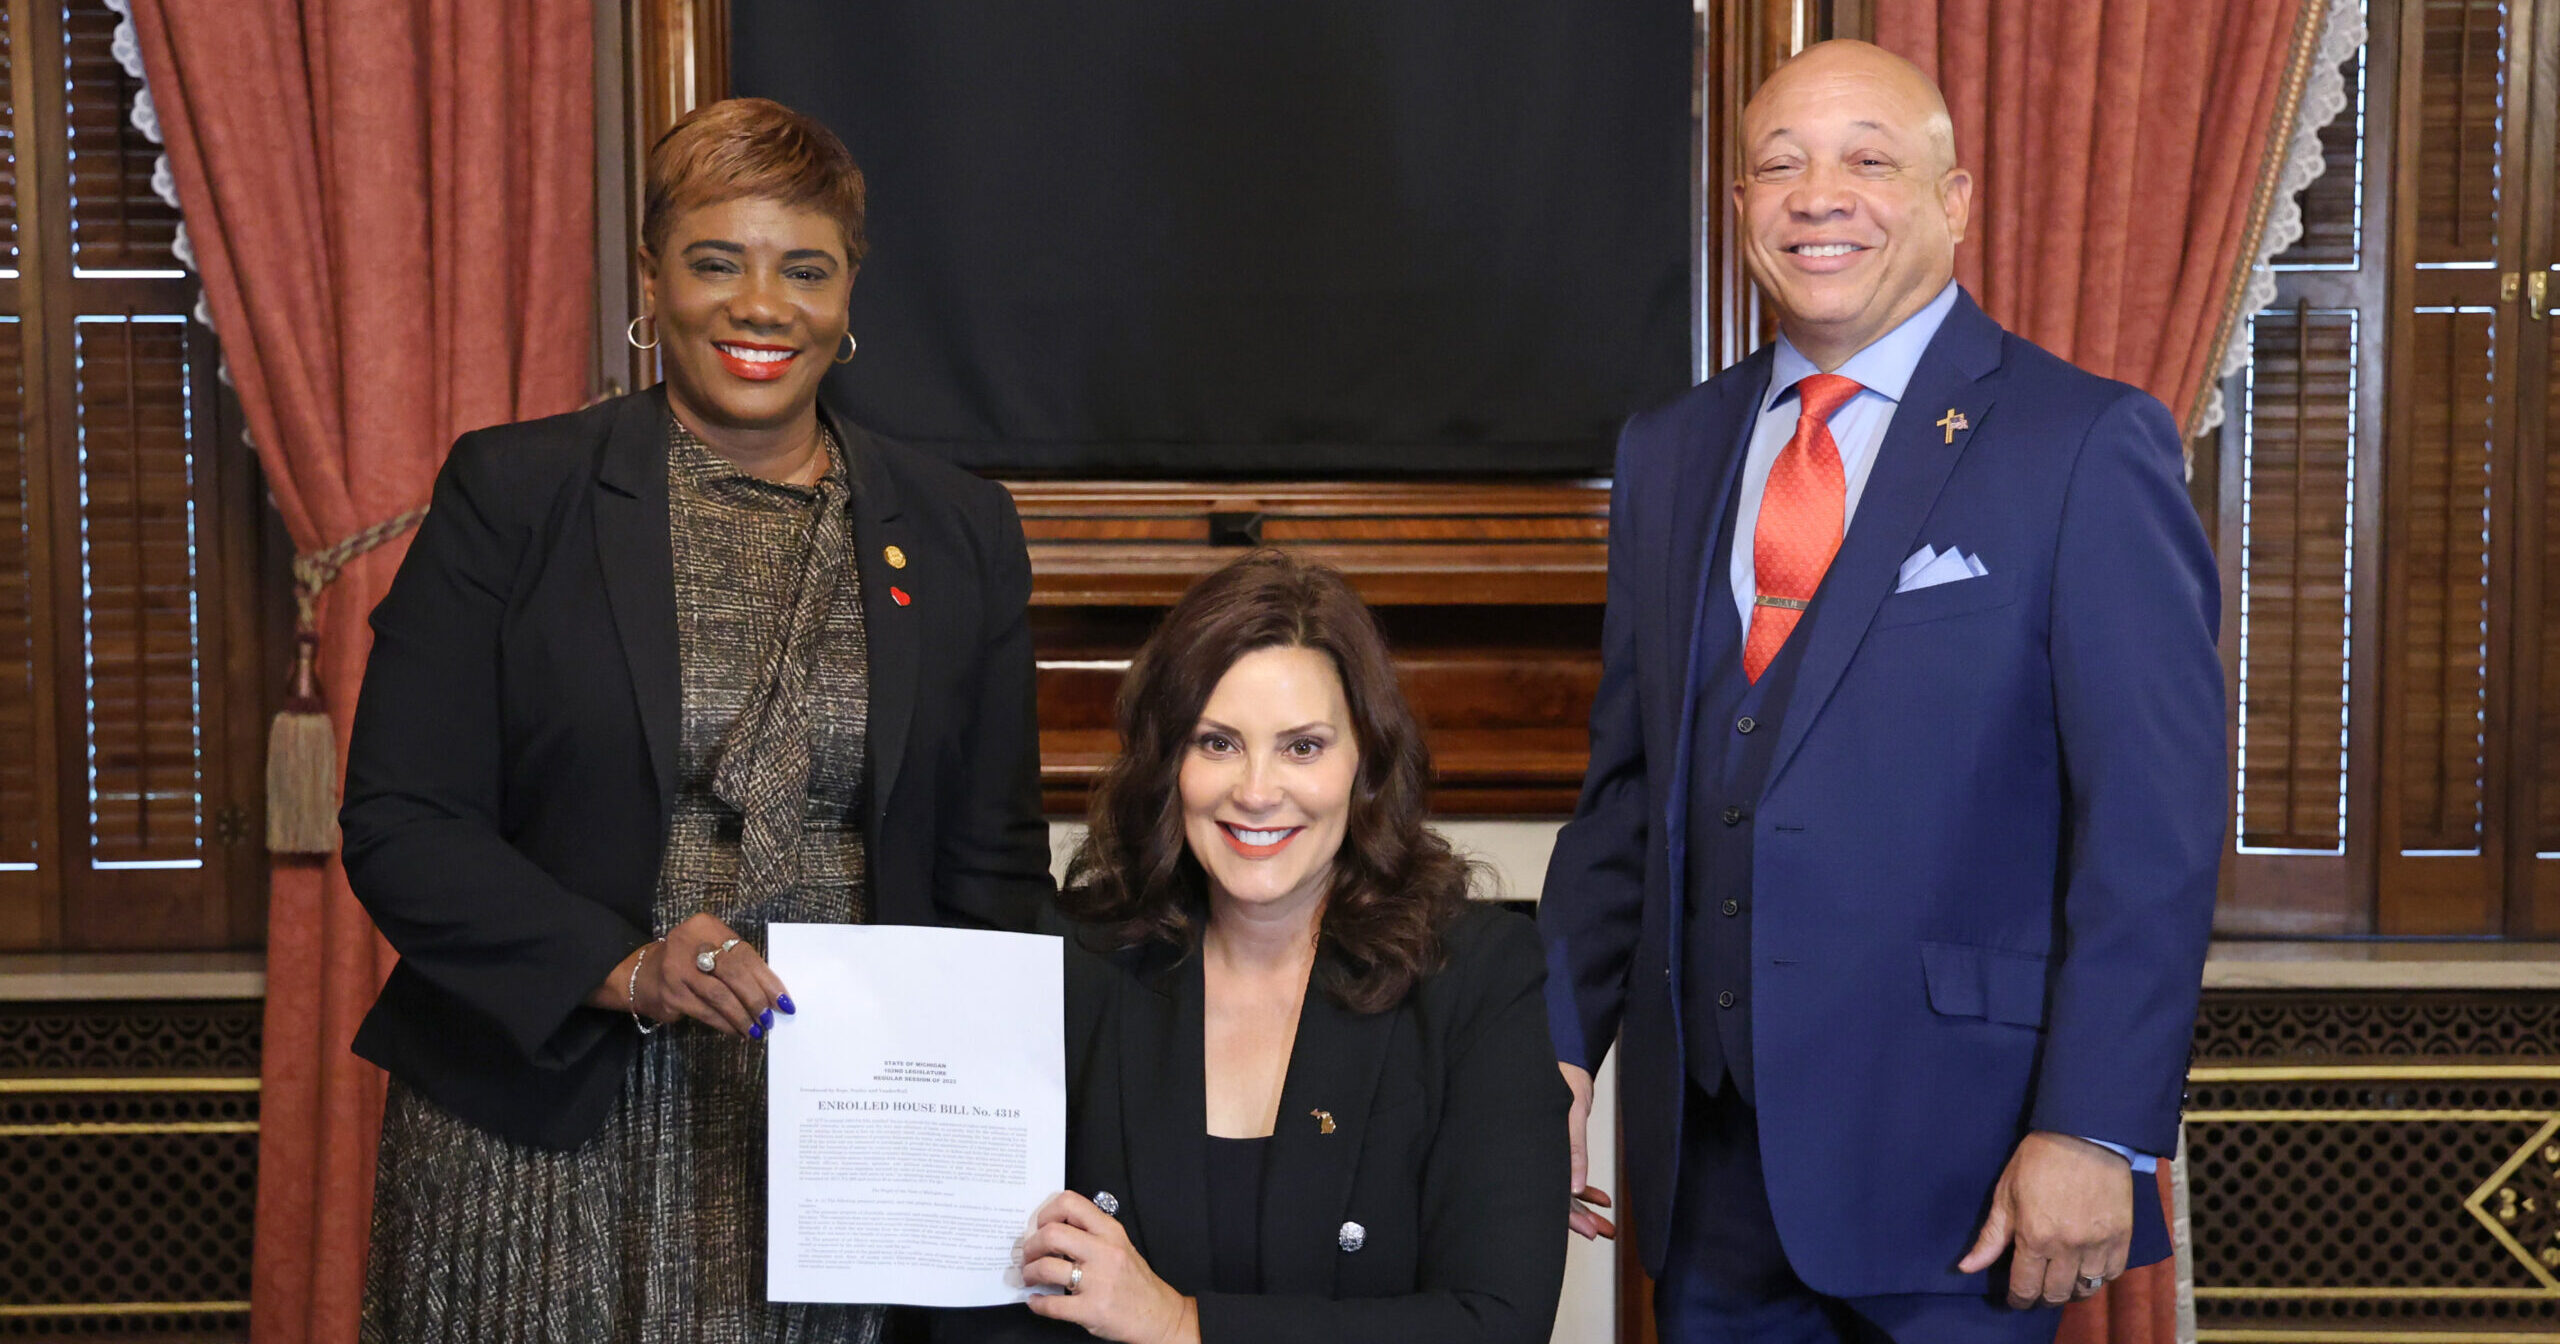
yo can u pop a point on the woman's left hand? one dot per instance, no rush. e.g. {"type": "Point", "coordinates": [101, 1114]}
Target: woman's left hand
{"type": "Point", "coordinates": [1116, 1296]}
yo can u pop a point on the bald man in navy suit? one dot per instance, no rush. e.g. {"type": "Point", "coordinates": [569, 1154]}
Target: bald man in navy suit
{"type": "Point", "coordinates": [1894, 868]}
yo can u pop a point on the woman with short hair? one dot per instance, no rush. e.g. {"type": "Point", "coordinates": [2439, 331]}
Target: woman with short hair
{"type": "Point", "coordinates": [654, 675]}
{"type": "Point", "coordinates": [1311, 1091]}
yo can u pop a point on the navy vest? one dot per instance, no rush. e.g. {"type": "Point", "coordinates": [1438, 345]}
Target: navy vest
{"type": "Point", "coordinates": [1736, 730]}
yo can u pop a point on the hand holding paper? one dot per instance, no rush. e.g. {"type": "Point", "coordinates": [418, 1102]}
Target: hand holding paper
{"type": "Point", "coordinates": [916, 1112]}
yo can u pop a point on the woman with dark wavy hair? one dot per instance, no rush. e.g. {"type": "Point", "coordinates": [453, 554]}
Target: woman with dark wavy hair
{"type": "Point", "coordinates": [1311, 1090]}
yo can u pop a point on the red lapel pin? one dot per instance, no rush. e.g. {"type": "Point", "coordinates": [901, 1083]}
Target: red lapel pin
{"type": "Point", "coordinates": [900, 594]}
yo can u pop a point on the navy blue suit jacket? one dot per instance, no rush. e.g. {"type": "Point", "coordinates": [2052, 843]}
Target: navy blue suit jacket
{"type": "Point", "coordinates": [1985, 857]}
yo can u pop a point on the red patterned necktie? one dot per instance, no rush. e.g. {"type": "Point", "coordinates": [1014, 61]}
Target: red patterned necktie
{"type": "Point", "coordinates": [1803, 511]}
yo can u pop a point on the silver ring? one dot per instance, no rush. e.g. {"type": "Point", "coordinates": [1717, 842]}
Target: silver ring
{"type": "Point", "coordinates": [2090, 1283]}
{"type": "Point", "coordinates": [1075, 1278]}
{"type": "Point", "coordinates": [707, 960]}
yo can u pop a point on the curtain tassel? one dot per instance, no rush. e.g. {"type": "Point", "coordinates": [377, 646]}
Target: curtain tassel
{"type": "Point", "coordinates": [302, 764]}
{"type": "Point", "coordinates": [302, 744]}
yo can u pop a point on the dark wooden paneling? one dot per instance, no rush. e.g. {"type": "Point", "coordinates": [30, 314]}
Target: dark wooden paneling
{"type": "Point", "coordinates": [1739, 44]}
{"type": "Point", "coordinates": [1490, 596]}
{"type": "Point", "coordinates": [675, 59]}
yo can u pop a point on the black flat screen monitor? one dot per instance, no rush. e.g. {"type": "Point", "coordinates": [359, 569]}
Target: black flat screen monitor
{"type": "Point", "coordinates": [1219, 238]}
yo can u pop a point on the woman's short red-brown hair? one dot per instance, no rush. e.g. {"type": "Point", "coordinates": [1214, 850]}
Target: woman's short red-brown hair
{"type": "Point", "coordinates": [751, 149]}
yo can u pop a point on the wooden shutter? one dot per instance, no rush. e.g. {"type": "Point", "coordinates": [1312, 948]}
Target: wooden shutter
{"type": "Point", "coordinates": [2298, 465]}
{"type": "Point", "coordinates": [2546, 820]}
{"type": "Point", "coordinates": [2443, 573]}
{"type": "Point", "coordinates": [2298, 512]}
{"type": "Point", "coordinates": [2333, 205]}
{"type": "Point", "coordinates": [118, 223]}
{"type": "Point", "coordinates": [129, 655]}
{"type": "Point", "coordinates": [142, 643]}
{"type": "Point", "coordinates": [2458, 709]}
{"type": "Point", "coordinates": [2461, 105]}
{"type": "Point", "coordinates": [2537, 865]}
{"type": "Point", "coordinates": [28, 894]}
{"type": "Point", "coordinates": [21, 815]}
{"type": "Point", "coordinates": [8, 145]}
{"type": "Point", "coordinates": [2390, 491]}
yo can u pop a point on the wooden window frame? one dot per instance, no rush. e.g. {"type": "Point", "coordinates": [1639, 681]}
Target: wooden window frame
{"type": "Point", "coordinates": [65, 902]}
{"type": "Point", "coordinates": [2374, 887]}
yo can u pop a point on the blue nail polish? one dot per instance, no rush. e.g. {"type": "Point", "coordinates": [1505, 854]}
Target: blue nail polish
{"type": "Point", "coordinates": [755, 1033]}
{"type": "Point", "coordinates": [784, 1003]}
{"type": "Point", "coordinates": [767, 1019]}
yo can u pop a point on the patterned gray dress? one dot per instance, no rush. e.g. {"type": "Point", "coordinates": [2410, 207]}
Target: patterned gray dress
{"type": "Point", "coordinates": [653, 1230]}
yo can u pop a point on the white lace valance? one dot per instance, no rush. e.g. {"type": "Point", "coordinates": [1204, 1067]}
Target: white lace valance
{"type": "Point", "coordinates": [2324, 96]}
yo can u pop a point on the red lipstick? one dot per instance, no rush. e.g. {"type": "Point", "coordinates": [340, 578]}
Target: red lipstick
{"type": "Point", "coordinates": [1236, 842]}
{"type": "Point", "coordinates": [754, 370]}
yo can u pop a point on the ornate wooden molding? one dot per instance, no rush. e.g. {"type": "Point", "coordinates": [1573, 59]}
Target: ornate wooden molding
{"type": "Point", "coordinates": [1489, 593]}
{"type": "Point", "coordinates": [1739, 44]}
{"type": "Point", "coordinates": [655, 61]}
{"type": "Point", "coordinates": [1401, 544]}
{"type": "Point", "coordinates": [683, 61]}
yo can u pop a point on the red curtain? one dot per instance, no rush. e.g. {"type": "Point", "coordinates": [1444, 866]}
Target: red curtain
{"type": "Point", "coordinates": [2125, 157]}
{"type": "Point", "coordinates": [392, 205]}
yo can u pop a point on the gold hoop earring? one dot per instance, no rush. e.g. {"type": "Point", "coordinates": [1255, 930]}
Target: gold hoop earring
{"type": "Point", "coordinates": [847, 356]}
{"type": "Point", "coordinates": [632, 333]}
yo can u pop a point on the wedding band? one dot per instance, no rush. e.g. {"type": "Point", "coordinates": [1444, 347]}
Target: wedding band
{"type": "Point", "coordinates": [2090, 1283]}
{"type": "Point", "coordinates": [1075, 1277]}
{"type": "Point", "coordinates": [707, 960]}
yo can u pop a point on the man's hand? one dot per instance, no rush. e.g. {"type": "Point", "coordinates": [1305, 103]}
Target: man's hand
{"type": "Point", "coordinates": [2065, 1207]}
{"type": "Point", "coordinates": [1584, 1218]}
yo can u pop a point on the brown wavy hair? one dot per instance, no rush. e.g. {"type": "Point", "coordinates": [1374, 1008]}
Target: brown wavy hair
{"type": "Point", "coordinates": [1396, 884]}
{"type": "Point", "coordinates": [751, 149]}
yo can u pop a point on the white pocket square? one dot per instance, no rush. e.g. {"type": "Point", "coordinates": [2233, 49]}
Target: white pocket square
{"type": "Point", "coordinates": [1929, 567]}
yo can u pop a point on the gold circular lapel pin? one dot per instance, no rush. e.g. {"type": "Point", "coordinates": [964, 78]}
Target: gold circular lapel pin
{"type": "Point", "coordinates": [897, 558]}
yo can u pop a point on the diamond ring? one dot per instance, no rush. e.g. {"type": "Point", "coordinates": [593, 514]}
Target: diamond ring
{"type": "Point", "coordinates": [707, 960]}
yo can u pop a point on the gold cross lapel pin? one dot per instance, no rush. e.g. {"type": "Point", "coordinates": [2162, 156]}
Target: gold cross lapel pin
{"type": "Point", "coordinates": [1952, 421]}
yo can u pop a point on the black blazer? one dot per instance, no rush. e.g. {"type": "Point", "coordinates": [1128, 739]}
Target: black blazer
{"type": "Point", "coordinates": [512, 769]}
{"type": "Point", "coordinates": [1448, 1149]}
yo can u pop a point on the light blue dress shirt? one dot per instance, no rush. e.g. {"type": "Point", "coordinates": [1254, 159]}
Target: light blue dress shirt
{"type": "Point", "coordinates": [1881, 371]}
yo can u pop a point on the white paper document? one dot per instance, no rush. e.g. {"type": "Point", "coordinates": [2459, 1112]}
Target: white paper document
{"type": "Point", "coordinates": [916, 1112]}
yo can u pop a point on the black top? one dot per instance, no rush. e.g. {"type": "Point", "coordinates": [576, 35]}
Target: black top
{"type": "Point", "coordinates": [1412, 1193]}
{"type": "Point", "coordinates": [513, 764]}
{"type": "Point", "coordinates": [1235, 1213]}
